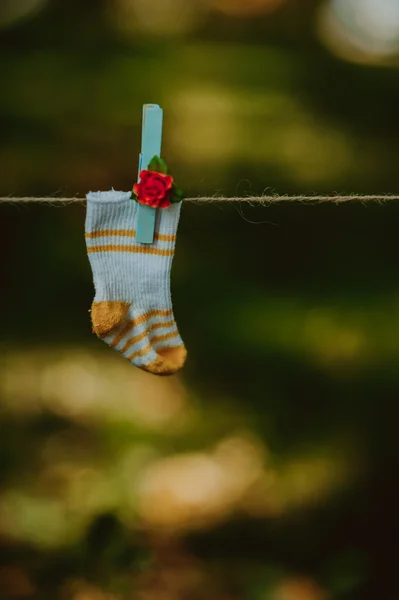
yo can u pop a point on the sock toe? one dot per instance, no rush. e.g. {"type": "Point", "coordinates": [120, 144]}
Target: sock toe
{"type": "Point", "coordinates": [169, 361]}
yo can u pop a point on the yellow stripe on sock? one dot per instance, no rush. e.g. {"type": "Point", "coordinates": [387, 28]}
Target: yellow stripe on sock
{"type": "Point", "coordinates": [152, 313]}
{"type": "Point", "coordinates": [132, 341]}
{"type": "Point", "coordinates": [166, 336]}
{"type": "Point", "coordinates": [127, 233]}
{"type": "Point", "coordinates": [133, 249]}
{"type": "Point", "coordinates": [147, 349]}
{"type": "Point", "coordinates": [141, 336]}
{"type": "Point", "coordinates": [142, 352]}
{"type": "Point", "coordinates": [138, 321]}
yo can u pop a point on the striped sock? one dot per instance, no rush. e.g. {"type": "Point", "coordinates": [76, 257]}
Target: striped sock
{"type": "Point", "coordinates": [132, 308]}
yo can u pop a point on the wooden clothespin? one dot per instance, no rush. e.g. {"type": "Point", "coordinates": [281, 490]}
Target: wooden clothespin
{"type": "Point", "coordinates": [151, 142]}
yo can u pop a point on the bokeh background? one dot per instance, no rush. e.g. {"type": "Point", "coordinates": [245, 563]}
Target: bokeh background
{"type": "Point", "coordinates": [267, 469]}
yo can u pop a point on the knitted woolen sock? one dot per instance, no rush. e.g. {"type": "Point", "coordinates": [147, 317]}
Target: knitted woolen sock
{"type": "Point", "coordinates": [132, 308]}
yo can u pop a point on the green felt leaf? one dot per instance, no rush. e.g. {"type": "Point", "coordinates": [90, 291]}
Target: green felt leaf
{"type": "Point", "coordinates": [158, 165]}
{"type": "Point", "coordinates": [133, 197]}
{"type": "Point", "coordinates": [153, 164]}
{"type": "Point", "coordinates": [176, 191]}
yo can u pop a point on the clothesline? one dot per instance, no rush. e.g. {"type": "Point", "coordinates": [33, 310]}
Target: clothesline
{"type": "Point", "coordinates": [264, 199]}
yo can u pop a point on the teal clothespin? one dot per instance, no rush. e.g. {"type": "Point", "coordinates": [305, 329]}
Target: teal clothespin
{"type": "Point", "coordinates": [150, 146]}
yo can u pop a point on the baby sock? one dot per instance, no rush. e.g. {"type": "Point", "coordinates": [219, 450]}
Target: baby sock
{"type": "Point", "coordinates": [132, 308]}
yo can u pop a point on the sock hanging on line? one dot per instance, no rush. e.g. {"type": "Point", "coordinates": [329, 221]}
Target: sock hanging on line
{"type": "Point", "coordinates": [132, 308]}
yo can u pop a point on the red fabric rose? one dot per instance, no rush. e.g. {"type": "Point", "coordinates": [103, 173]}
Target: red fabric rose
{"type": "Point", "coordinates": [154, 189]}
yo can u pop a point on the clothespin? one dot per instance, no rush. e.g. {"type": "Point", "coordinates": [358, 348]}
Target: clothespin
{"type": "Point", "coordinates": [151, 141]}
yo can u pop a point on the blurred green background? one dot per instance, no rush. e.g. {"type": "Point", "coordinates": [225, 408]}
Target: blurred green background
{"type": "Point", "coordinates": [267, 469]}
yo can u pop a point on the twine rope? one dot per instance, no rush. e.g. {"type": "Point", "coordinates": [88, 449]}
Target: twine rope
{"type": "Point", "coordinates": [264, 199]}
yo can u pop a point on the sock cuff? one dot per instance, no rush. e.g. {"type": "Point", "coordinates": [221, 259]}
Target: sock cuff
{"type": "Point", "coordinates": [114, 210]}
{"type": "Point", "coordinates": [111, 197]}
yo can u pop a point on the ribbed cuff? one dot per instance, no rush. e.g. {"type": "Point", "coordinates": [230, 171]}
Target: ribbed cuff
{"type": "Point", "coordinates": [110, 197]}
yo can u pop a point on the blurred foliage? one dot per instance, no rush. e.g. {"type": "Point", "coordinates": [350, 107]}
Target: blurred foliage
{"type": "Point", "coordinates": [266, 470]}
